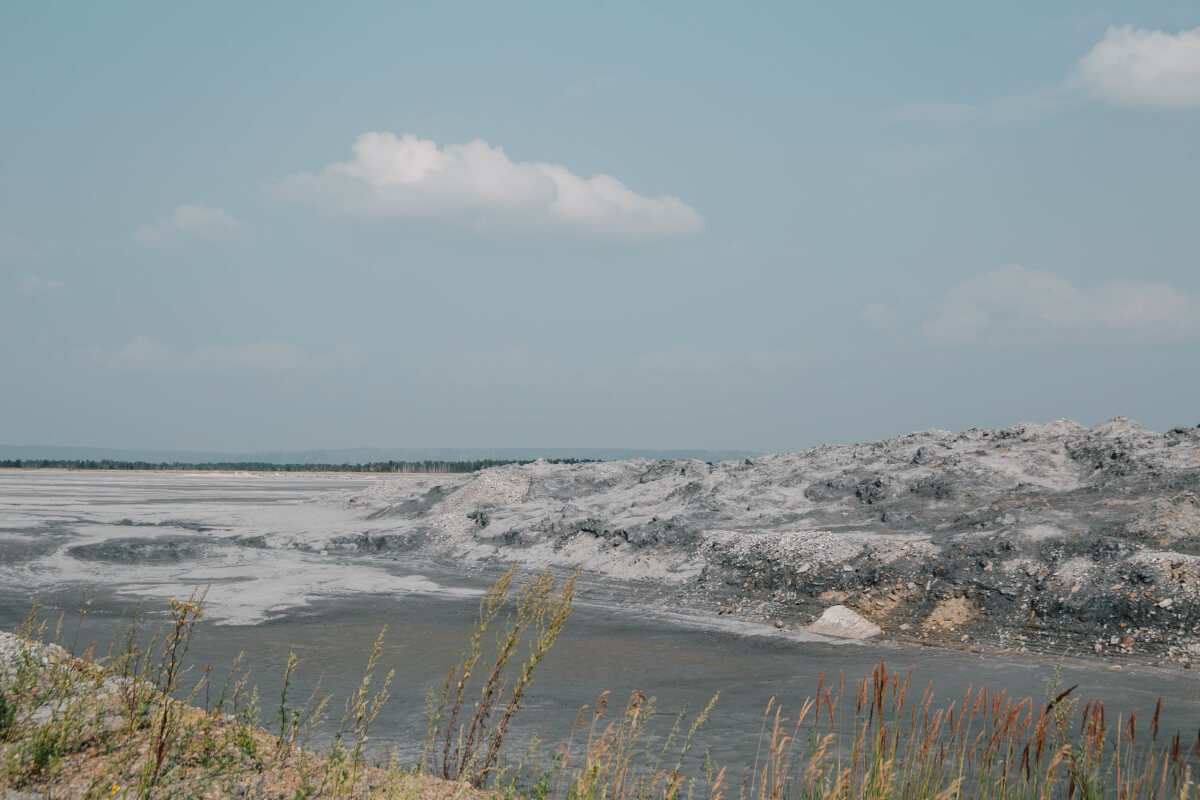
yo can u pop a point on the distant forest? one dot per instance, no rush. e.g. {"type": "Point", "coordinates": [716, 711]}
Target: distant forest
{"type": "Point", "coordinates": [403, 467]}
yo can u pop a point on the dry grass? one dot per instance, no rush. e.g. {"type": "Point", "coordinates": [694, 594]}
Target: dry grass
{"type": "Point", "coordinates": [470, 749]}
{"type": "Point", "coordinates": [126, 725]}
{"type": "Point", "coordinates": [878, 741]}
{"type": "Point", "coordinates": [215, 757]}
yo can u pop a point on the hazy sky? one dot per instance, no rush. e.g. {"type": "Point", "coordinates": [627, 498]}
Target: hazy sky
{"type": "Point", "coordinates": [260, 225]}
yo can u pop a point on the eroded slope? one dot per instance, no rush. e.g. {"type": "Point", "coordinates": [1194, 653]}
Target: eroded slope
{"type": "Point", "coordinates": [1038, 536]}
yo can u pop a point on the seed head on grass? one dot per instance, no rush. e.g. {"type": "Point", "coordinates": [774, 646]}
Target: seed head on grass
{"type": "Point", "coordinates": [471, 750]}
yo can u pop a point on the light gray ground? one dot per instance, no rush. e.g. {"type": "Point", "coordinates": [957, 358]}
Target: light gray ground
{"type": "Point", "coordinates": [252, 538]}
{"type": "Point", "coordinates": [1039, 537]}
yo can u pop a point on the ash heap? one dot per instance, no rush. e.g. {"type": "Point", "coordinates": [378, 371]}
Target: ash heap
{"type": "Point", "coordinates": [1044, 538]}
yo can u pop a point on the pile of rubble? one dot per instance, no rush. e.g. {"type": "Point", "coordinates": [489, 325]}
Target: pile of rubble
{"type": "Point", "coordinates": [1034, 537]}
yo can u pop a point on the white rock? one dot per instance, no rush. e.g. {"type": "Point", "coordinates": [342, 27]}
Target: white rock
{"type": "Point", "coordinates": [843, 623]}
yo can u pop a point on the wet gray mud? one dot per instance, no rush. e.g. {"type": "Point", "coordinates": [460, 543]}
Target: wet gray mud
{"type": "Point", "coordinates": [317, 565]}
{"type": "Point", "coordinates": [604, 648]}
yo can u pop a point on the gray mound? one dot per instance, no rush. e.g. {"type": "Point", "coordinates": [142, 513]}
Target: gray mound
{"type": "Point", "coordinates": [160, 549]}
{"type": "Point", "coordinates": [1034, 536]}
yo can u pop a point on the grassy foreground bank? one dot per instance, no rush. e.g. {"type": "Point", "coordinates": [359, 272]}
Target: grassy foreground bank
{"type": "Point", "coordinates": [137, 721]}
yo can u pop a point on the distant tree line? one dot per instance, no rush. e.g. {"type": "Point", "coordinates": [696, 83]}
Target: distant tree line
{"type": "Point", "coordinates": [403, 467]}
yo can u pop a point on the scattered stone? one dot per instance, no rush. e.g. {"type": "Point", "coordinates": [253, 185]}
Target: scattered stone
{"type": "Point", "coordinates": [951, 613]}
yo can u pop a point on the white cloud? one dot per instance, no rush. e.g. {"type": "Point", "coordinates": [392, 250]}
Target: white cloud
{"type": "Point", "coordinates": [34, 284]}
{"type": "Point", "coordinates": [1015, 301]}
{"type": "Point", "coordinates": [877, 316]}
{"type": "Point", "coordinates": [1129, 67]}
{"type": "Point", "coordinates": [200, 222]}
{"type": "Point", "coordinates": [1143, 69]}
{"type": "Point", "coordinates": [144, 354]}
{"type": "Point", "coordinates": [957, 322]}
{"type": "Point", "coordinates": [475, 183]}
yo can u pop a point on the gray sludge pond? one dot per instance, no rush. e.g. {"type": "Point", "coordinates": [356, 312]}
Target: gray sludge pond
{"type": "Point", "coordinates": [70, 536]}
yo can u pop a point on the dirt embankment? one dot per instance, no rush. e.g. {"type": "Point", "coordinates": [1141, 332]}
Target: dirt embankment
{"type": "Point", "coordinates": [1037, 537]}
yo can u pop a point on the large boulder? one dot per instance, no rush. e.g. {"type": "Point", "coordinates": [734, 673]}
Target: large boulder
{"type": "Point", "coordinates": [843, 623]}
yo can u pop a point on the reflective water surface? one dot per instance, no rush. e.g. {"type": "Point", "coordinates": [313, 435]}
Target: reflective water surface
{"type": "Point", "coordinates": [112, 540]}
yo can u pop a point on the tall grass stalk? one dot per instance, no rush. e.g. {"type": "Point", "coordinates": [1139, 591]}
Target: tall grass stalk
{"type": "Point", "coordinates": [469, 749]}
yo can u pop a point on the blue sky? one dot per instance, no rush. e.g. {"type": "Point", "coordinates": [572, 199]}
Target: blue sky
{"type": "Point", "coordinates": [244, 226]}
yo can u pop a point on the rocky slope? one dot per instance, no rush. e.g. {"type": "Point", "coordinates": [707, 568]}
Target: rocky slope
{"type": "Point", "coordinates": [1039, 537]}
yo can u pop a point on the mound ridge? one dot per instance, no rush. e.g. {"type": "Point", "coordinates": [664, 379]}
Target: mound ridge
{"type": "Point", "coordinates": [1052, 535]}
